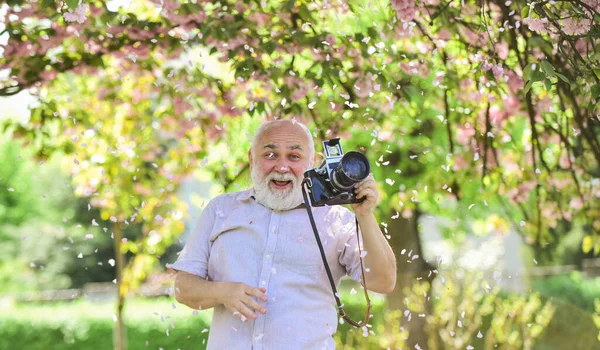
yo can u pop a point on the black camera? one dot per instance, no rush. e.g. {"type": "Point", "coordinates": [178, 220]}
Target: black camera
{"type": "Point", "coordinates": [333, 182]}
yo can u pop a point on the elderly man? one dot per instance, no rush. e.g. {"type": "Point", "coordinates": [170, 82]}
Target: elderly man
{"type": "Point", "coordinates": [254, 257]}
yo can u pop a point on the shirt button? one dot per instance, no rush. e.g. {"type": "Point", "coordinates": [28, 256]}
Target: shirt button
{"type": "Point", "coordinates": [268, 256]}
{"type": "Point", "coordinates": [263, 282]}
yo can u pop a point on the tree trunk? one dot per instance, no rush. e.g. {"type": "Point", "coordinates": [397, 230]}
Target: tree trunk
{"type": "Point", "coordinates": [405, 236]}
{"type": "Point", "coordinates": [119, 337]}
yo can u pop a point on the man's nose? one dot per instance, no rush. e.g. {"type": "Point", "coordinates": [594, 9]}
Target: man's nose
{"type": "Point", "coordinates": [282, 166]}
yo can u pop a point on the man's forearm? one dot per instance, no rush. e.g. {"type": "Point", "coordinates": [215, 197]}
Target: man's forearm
{"type": "Point", "coordinates": [196, 292]}
{"type": "Point", "coordinates": [380, 259]}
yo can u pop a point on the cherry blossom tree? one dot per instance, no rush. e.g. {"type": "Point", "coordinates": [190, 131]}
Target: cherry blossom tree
{"type": "Point", "coordinates": [482, 112]}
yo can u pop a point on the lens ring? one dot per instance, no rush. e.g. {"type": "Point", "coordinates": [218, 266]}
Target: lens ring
{"type": "Point", "coordinates": [355, 166]}
{"type": "Point", "coordinates": [352, 168]}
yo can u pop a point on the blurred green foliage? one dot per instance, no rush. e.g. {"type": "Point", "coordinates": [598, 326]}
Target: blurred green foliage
{"type": "Point", "coordinates": [46, 241]}
{"type": "Point", "coordinates": [573, 288]}
{"type": "Point", "coordinates": [467, 311]}
{"type": "Point", "coordinates": [490, 321]}
{"type": "Point", "coordinates": [151, 323]}
{"type": "Point", "coordinates": [154, 324]}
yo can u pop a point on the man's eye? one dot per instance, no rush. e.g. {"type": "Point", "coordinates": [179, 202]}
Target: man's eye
{"type": "Point", "coordinates": [270, 155]}
{"type": "Point", "coordinates": [295, 156]}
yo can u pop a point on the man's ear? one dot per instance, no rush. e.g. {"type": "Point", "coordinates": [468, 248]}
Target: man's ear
{"type": "Point", "coordinates": [250, 157]}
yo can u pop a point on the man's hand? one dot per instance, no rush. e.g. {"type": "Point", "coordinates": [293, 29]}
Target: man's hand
{"type": "Point", "coordinates": [366, 188]}
{"type": "Point", "coordinates": [239, 298]}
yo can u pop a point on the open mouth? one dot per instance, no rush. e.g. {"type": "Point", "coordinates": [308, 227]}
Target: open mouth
{"type": "Point", "coordinates": [281, 184]}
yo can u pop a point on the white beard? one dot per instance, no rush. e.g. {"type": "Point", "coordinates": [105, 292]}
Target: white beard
{"type": "Point", "coordinates": [276, 199]}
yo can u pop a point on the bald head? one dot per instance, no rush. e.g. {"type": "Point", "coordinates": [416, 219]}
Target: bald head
{"type": "Point", "coordinates": [267, 131]}
{"type": "Point", "coordinates": [281, 151]}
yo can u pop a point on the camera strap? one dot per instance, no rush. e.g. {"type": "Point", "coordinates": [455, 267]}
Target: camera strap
{"type": "Point", "coordinates": [341, 311]}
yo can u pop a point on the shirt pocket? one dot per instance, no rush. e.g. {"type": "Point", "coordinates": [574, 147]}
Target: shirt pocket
{"type": "Point", "coordinates": [300, 254]}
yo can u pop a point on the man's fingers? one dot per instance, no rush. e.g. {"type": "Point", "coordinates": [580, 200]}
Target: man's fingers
{"type": "Point", "coordinates": [364, 192]}
{"type": "Point", "coordinates": [369, 183]}
{"type": "Point", "coordinates": [245, 311]}
{"type": "Point", "coordinates": [257, 292]}
{"type": "Point", "coordinates": [251, 303]}
{"type": "Point", "coordinates": [240, 316]}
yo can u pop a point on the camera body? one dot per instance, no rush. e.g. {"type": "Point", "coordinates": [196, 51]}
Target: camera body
{"type": "Point", "coordinates": [333, 182]}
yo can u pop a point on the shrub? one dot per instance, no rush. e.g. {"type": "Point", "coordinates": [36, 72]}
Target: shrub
{"type": "Point", "coordinates": [151, 324]}
{"type": "Point", "coordinates": [468, 313]}
{"type": "Point", "coordinates": [572, 288]}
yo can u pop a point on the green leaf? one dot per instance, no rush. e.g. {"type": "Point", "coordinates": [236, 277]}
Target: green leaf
{"type": "Point", "coordinates": [270, 47]}
{"type": "Point", "coordinates": [72, 4]}
{"type": "Point", "coordinates": [305, 13]}
{"type": "Point", "coordinates": [548, 84]}
{"type": "Point", "coordinates": [563, 78]}
{"type": "Point", "coordinates": [289, 5]}
{"type": "Point", "coordinates": [538, 41]}
{"type": "Point", "coordinates": [548, 68]}
{"type": "Point", "coordinates": [527, 86]}
{"type": "Point", "coordinates": [596, 91]}
{"type": "Point", "coordinates": [538, 76]}
{"type": "Point", "coordinates": [46, 3]}
{"type": "Point", "coordinates": [527, 72]}
{"type": "Point", "coordinates": [525, 12]}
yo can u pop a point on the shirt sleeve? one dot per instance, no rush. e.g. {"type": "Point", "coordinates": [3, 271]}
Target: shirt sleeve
{"type": "Point", "coordinates": [194, 256]}
{"type": "Point", "coordinates": [350, 255]}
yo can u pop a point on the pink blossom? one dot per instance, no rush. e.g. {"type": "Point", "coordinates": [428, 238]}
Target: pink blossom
{"type": "Point", "coordinates": [522, 192]}
{"type": "Point", "coordinates": [140, 189]}
{"type": "Point", "coordinates": [497, 115]}
{"type": "Point", "coordinates": [404, 30]}
{"type": "Point", "coordinates": [96, 11]}
{"type": "Point", "coordinates": [536, 24]}
{"type": "Point", "coordinates": [485, 66]}
{"type": "Point", "coordinates": [180, 105]}
{"type": "Point", "coordinates": [48, 75]}
{"type": "Point", "coordinates": [330, 39]}
{"type": "Point", "coordinates": [405, 9]}
{"type": "Point", "coordinates": [515, 82]}
{"type": "Point", "coordinates": [576, 203]}
{"type": "Point", "coordinates": [502, 49]}
{"type": "Point", "coordinates": [561, 184]}
{"type": "Point", "coordinates": [412, 68]}
{"type": "Point", "coordinates": [171, 5]}
{"type": "Point", "coordinates": [364, 86]}
{"type": "Point", "coordinates": [512, 104]}
{"type": "Point", "coordinates": [465, 84]}
{"type": "Point", "coordinates": [444, 34]}
{"type": "Point", "coordinates": [464, 134]}
{"type": "Point", "coordinates": [509, 164]}
{"type": "Point", "coordinates": [475, 38]}
{"type": "Point", "coordinates": [564, 162]}
{"type": "Point", "coordinates": [79, 15]}
{"type": "Point", "coordinates": [572, 26]}
{"type": "Point", "coordinates": [581, 46]}
{"type": "Point", "coordinates": [595, 4]}
{"type": "Point", "coordinates": [497, 70]}
{"type": "Point", "coordinates": [460, 163]}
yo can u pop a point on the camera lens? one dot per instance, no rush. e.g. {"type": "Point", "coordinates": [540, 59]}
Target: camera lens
{"type": "Point", "coordinates": [353, 168]}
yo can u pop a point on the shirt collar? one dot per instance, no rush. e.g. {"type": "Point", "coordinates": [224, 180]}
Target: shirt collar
{"type": "Point", "coordinates": [246, 195]}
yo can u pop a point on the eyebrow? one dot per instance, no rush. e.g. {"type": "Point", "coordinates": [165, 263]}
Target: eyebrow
{"type": "Point", "coordinates": [293, 147]}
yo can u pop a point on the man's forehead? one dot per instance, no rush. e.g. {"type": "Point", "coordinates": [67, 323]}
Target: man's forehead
{"type": "Point", "coordinates": [270, 145]}
{"type": "Point", "coordinates": [284, 135]}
